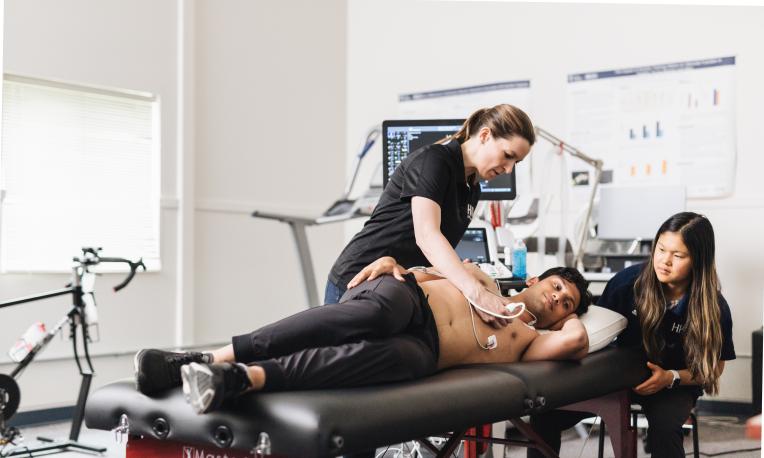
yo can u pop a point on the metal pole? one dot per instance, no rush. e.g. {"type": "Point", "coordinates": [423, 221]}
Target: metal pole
{"type": "Point", "coordinates": [306, 262]}
{"type": "Point", "coordinates": [597, 164]}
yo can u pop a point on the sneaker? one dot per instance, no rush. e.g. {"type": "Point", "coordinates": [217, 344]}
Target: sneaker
{"type": "Point", "coordinates": [206, 386]}
{"type": "Point", "coordinates": [157, 370]}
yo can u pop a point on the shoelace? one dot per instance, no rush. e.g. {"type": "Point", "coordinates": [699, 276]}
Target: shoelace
{"type": "Point", "coordinates": [174, 361]}
{"type": "Point", "coordinates": [235, 380]}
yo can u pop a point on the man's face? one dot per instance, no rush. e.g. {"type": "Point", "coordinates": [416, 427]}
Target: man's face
{"type": "Point", "coordinates": [551, 299]}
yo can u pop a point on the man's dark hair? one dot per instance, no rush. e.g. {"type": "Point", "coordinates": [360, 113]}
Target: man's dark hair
{"type": "Point", "coordinates": [573, 276]}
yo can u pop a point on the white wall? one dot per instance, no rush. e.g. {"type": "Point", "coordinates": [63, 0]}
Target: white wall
{"type": "Point", "coordinates": [261, 106]}
{"type": "Point", "coordinates": [270, 116]}
{"type": "Point", "coordinates": [98, 43]}
{"type": "Point", "coordinates": [404, 46]}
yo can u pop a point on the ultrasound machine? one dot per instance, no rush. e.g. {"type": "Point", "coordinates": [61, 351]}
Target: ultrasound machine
{"type": "Point", "coordinates": [399, 138]}
{"type": "Point", "coordinates": [474, 246]}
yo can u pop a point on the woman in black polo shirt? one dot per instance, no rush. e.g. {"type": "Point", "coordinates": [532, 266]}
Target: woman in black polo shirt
{"type": "Point", "coordinates": [429, 201]}
{"type": "Point", "coordinates": [676, 312]}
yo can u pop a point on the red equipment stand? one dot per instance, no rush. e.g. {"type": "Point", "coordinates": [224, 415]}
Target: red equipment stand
{"type": "Point", "coordinates": [143, 447]}
{"type": "Point", "coordinates": [473, 448]}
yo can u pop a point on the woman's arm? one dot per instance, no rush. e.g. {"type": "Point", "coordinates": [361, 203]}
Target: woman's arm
{"type": "Point", "coordinates": [661, 378]}
{"type": "Point", "coordinates": [382, 266]}
{"type": "Point", "coordinates": [427, 218]}
{"type": "Point", "coordinates": [388, 265]}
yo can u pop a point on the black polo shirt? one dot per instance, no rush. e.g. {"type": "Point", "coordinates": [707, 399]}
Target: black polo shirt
{"type": "Point", "coordinates": [435, 172]}
{"type": "Point", "coordinates": [619, 297]}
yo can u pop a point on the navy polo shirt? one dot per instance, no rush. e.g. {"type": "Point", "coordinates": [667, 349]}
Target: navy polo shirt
{"type": "Point", "coordinates": [619, 297]}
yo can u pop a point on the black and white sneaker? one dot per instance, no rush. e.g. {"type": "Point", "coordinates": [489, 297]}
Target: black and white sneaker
{"type": "Point", "coordinates": [158, 370]}
{"type": "Point", "coordinates": [206, 386]}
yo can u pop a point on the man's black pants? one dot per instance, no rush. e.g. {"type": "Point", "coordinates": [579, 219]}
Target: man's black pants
{"type": "Point", "coordinates": [381, 331]}
{"type": "Point", "coordinates": [666, 412]}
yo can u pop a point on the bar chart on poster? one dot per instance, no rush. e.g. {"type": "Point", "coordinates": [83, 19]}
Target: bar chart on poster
{"type": "Point", "coordinates": [660, 124]}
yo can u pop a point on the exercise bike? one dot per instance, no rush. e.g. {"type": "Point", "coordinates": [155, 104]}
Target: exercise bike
{"type": "Point", "coordinates": [80, 316]}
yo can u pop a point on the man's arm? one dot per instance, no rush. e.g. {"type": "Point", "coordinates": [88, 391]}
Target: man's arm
{"type": "Point", "coordinates": [570, 342]}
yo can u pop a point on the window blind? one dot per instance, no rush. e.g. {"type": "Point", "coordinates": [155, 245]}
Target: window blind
{"type": "Point", "coordinates": [79, 167]}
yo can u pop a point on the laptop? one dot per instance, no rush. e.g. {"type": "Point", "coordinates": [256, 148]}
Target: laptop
{"type": "Point", "coordinates": [474, 246]}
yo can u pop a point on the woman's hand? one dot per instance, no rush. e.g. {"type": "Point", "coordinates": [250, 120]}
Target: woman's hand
{"type": "Point", "coordinates": [382, 266]}
{"type": "Point", "coordinates": [492, 303]}
{"type": "Point", "coordinates": [659, 380]}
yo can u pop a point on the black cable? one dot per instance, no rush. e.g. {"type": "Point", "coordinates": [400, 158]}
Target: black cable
{"type": "Point", "coordinates": [85, 338]}
{"type": "Point", "coordinates": [727, 452]}
{"type": "Point", "coordinates": [73, 336]}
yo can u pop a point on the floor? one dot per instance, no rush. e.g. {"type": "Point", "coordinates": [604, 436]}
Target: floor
{"type": "Point", "coordinates": [719, 436]}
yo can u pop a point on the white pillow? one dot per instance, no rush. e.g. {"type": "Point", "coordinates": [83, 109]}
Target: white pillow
{"type": "Point", "coordinates": [602, 325]}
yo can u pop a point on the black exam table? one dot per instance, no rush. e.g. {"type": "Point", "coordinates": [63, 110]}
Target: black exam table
{"type": "Point", "coordinates": [320, 423]}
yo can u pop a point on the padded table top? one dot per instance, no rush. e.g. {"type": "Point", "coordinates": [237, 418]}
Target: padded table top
{"type": "Point", "coordinates": [332, 422]}
{"type": "Point", "coordinates": [553, 384]}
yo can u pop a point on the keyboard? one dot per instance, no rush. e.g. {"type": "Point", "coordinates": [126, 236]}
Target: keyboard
{"type": "Point", "coordinates": [340, 207]}
{"type": "Point", "coordinates": [496, 270]}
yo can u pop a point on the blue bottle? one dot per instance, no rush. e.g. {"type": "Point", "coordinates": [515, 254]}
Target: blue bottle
{"type": "Point", "coordinates": [519, 254]}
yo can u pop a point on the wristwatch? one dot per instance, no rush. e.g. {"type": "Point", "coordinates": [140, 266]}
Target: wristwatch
{"type": "Point", "coordinates": [676, 380]}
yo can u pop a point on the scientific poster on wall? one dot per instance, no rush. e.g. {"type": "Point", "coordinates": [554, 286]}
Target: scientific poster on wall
{"type": "Point", "coordinates": [660, 124]}
{"type": "Point", "coordinates": [458, 103]}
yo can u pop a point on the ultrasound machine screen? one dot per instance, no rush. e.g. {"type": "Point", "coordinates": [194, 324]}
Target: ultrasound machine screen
{"type": "Point", "coordinates": [399, 138]}
{"type": "Point", "coordinates": [474, 246]}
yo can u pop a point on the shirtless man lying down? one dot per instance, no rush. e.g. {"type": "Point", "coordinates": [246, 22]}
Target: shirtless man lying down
{"type": "Point", "coordinates": [393, 325]}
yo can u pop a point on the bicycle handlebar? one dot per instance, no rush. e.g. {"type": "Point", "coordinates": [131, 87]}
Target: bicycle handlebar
{"type": "Point", "coordinates": [91, 258]}
{"type": "Point", "coordinates": [133, 268]}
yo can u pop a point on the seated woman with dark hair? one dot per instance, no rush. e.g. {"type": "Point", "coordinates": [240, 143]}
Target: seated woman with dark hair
{"type": "Point", "coordinates": [397, 326]}
{"type": "Point", "coordinates": [677, 314]}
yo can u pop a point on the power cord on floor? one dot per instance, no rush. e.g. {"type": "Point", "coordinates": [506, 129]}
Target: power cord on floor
{"type": "Point", "coordinates": [740, 450]}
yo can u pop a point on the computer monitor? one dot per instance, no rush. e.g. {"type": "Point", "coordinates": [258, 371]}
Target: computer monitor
{"type": "Point", "coordinates": [401, 137]}
{"type": "Point", "coordinates": [474, 245]}
{"type": "Point", "coordinates": [636, 212]}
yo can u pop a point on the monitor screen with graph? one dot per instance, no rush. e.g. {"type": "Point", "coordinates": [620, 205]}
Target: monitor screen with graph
{"type": "Point", "coordinates": [401, 137]}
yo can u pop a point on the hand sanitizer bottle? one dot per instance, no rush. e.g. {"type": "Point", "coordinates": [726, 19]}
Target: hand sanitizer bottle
{"type": "Point", "coordinates": [519, 254]}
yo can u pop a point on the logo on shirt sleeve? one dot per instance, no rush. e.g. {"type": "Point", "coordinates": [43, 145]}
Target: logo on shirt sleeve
{"type": "Point", "coordinates": [470, 211]}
